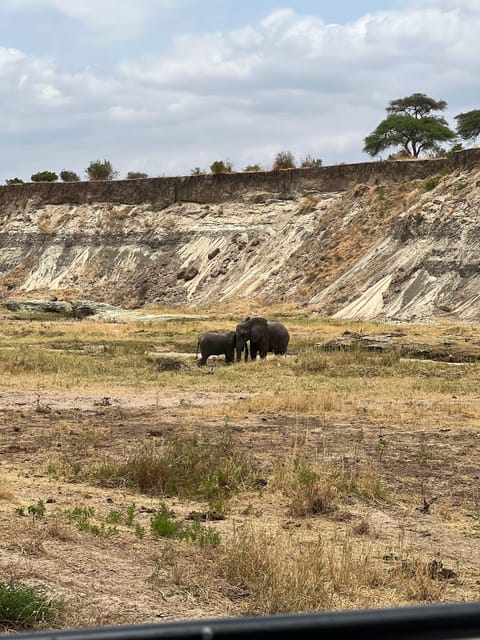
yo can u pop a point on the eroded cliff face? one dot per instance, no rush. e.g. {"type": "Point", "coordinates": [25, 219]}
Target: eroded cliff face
{"type": "Point", "coordinates": [354, 240]}
{"type": "Point", "coordinates": [426, 265]}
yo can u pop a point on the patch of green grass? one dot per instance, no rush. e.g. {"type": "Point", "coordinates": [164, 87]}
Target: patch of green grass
{"type": "Point", "coordinates": [130, 517]}
{"type": "Point", "coordinates": [113, 517]}
{"type": "Point", "coordinates": [164, 526]}
{"type": "Point", "coordinates": [431, 183]}
{"type": "Point", "coordinates": [37, 511]}
{"type": "Point", "coordinates": [25, 607]}
{"type": "Point", "coordinates": [351, 361]}
{"type": "Point", "coordinates": [81, 517]}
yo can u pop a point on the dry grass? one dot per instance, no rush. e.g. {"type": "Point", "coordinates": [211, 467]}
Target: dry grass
{"type": "Point", "coordinates": [282, 572]}
{"type": "Point", "coordinates": [183, 466]}
{"type": "Point", "coordinates": [317, 487]}
{"type": "Point", "coordinates": [307, 204]}
{"type": "Point", "coordinates": [294, 402]}
{"type": "Point", "coordinates": [6, 492]}
{"type": "Point", "coordinates": [340, 449]}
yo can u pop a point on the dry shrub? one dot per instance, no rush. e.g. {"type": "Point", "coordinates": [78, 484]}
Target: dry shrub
{"type": "Point", "coordinates": [189, 467]}
{"type": "Point", "coordinates": [5, 492]}
{"type": "Point", "coordinates": [282, 574]}
{"type": "Point", "coordinates": [192, 575]}
{"type": "Point", "coordinates": [362, 528]}
{"type": "Point", "coordinates": [307, 204]}
{"type": "Point", "coordinates": [309, 491]}
{"type": "Point", "coordinates": [419, 578]}
{"type": "Point", "coordinates": [317, 487]}
{"type": "Point", "coordinates": [57, 530]}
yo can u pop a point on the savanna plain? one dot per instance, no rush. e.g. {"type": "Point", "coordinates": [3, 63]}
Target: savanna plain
{"type": "Point", "coordinates": [136, 487]}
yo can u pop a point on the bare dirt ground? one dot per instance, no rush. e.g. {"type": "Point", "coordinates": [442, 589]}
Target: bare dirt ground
{"type": "Point", "coordinates": [122, 579]}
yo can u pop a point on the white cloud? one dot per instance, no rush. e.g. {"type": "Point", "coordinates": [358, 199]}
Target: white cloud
{"type": "Point", "coordinates": [288, 82]}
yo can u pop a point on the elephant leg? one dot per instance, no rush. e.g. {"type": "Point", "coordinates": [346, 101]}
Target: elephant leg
{"type": "Point", "coordinates": [205, 355]}
{"type": "Point", "coordinates": [253, 351]}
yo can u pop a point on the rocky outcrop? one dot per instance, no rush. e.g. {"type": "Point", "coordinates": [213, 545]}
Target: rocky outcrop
{"type": "Point", "coordinates": [387, 240]}
{"type": "Point", "coordinates": [80, 309]}
{"type": "Point", "coordinates": [426, 265]}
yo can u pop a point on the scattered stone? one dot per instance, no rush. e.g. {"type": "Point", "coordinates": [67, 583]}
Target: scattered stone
{"type": "Point", "coordinates": [213, 253]}
{"type": "Point", "coordinates": [187, 274]}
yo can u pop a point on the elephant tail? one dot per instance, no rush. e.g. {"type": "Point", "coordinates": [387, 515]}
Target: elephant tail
{"type": "Point", "coordinates": [198, 348]}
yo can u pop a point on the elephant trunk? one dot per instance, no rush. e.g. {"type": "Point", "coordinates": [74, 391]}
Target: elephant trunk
{"type": "Point", "coordinates": [240, 347]}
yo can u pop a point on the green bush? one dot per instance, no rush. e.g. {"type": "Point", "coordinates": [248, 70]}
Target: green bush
{"type": "Point", "coordinates": [203, 536]}
{"type": "Point", "coordinates": [100, 170]}
{"type": "Point", "coordinates": [253, 168]}
{"type": "Point", "coordinates": [14, 181]}
{"type": "Point", "coordinates": [69, 176]}
{"type": "Point", "coordinates": [26, 607]}
{"type": "Point", "coordinates": [136, 175]}
{"type": "Point", "coordinates": [220, 166]}
{"type": "Point", "coordinates": [44, 176]}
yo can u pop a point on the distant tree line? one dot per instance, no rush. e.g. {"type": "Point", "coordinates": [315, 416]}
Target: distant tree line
{"type": "Point", "coordinates": [413, 125]}
{"type": "Point", "coordinates": [96, 170]}
{"type": "Point", "coordinates": [282, 160]}
{"type": "Point", "coordinates": [103, 169]}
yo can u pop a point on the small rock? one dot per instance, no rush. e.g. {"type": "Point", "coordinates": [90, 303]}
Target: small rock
{"type": "Point", "coordinates": [213, 253]}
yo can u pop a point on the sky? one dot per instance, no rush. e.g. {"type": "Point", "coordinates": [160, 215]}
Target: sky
{"type": "Point", "coordinates": [164, 86]}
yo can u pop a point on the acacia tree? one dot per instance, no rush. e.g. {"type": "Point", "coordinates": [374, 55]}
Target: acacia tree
{"type": "Point", "coordinates": [468, 125]}
{"type": "Point", "coordinates": [410, 125]}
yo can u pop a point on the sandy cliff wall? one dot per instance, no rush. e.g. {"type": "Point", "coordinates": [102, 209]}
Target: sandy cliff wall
{"type": "Point", "coordinates": [347, 239]}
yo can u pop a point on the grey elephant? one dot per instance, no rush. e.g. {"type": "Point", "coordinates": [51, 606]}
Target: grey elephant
{"type": "Point", "coordinates": [278, 337]}
{"type": "Point", "coordinates": [264, 336]}
{"type": "Point", "coordinates": [254, 330]}
{"type": "Point", "coordinates": [214, 343]}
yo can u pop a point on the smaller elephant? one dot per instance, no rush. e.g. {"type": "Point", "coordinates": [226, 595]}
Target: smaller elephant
{"type": "Point", "coordinates": [214, 343]}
